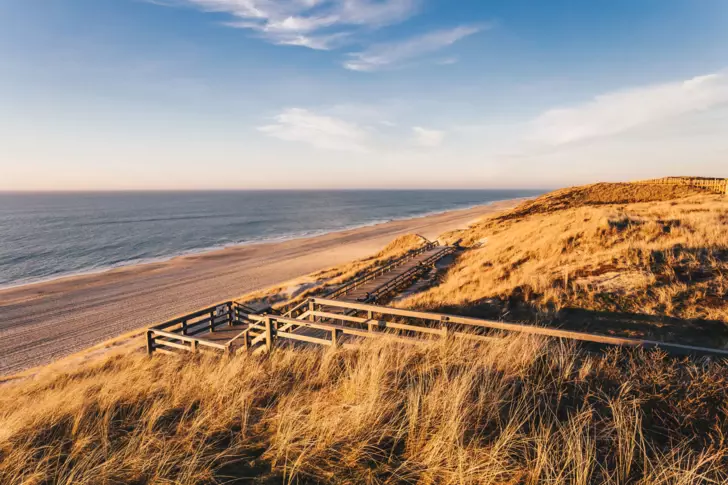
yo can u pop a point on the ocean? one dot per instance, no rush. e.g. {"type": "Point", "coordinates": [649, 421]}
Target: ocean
{"type": "Point", "coordinates": [49, 235]}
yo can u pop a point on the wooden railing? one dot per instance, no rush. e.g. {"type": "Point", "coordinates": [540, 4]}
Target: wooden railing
{"type": "Point", "coordinates": [407, 276]}
{"type": "Point", "coordinates": [330, 320]}
{"type": "Point", "coordinates": [380, 271]}
{"type": "Point", "coordinates": [458, 326]}
{"type": "Point", "coordinates": [717, 185]}
{"type": "Point", "coordinates": [178, 333]}
{"type": "Point", "coordinates": [293, 310]}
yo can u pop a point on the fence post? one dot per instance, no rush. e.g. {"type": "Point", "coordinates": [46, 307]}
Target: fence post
{"type": "Point", "coordinates": [335, 338]}
{"type": "Point", "coordinates": [184, 327]}
{"type": "Point", "coordinates": [212, 321]}
{"type": "Point", "coordinates": [231, 314]}
{"type": "Point", "coordinates": [150, 342]}
{"type": "Point", "coordinates": [311, 308]}
{"type": "Point", "coordinates": [268, 334]}
{"type": "Point", "coordinates": [444, 326]}
{"type": "Point", "coordinates": [194, 347]}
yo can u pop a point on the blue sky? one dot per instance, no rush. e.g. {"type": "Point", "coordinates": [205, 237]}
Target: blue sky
{"type": "Point", "coordinates": [184, 94]}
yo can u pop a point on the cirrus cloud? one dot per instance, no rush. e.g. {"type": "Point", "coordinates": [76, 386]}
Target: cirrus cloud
{"type": "Point", "coordinates": [382, 56]}
{"type": "Point", "coordinates": [316, 24]}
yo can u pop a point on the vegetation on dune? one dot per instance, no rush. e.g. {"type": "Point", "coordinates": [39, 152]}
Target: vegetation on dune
{"type": "Point", "coordinates": [521, 411]}
{"type": "Point", "coordinates": [613, 258]}
{"type": "Point", "coordinates": [656, 269]}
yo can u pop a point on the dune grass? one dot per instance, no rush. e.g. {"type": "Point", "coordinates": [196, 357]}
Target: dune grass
{"type": "Point", "coordinates": [623, 266]}
{"type": "Point", "coordinates": [525, 410]}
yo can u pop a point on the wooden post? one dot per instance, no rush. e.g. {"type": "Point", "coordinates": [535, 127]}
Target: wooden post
{"type": "Point", "coordinates": [335, 338]}
{"type": "Point", "coordinates": [444, 326]}
{"type": "Point", "coordinates": [246, 339]}
{"type": "Point", "coordinates": [372, 326]}
{"type": "Point", "coordinates": [212, 321]}
{"type": "Point", "coordinates": [150, 342]}
{"type": "Point", "coordinates": [230, 314]}
{"type": "Point", "coordinates": [184, 327]}
{"type": "Point", "coordinates": [311, 308]}
{"type": "Point", "coordinates": [268, 334]}
{"type": "Point", "coordinates": [194, 347]}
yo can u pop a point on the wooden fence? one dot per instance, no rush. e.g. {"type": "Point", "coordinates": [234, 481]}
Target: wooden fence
{"type": "Point", "coordinates": [335, 323]}
{"type": "Point", "coordinates": [717, 185]}
{"type": "Point", "coordinates": [295, 309]}
{"type": "Point", "coordinates": [179, 333]}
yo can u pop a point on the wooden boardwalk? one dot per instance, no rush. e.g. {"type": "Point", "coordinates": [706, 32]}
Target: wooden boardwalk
{"type": "Point", "coordinates": [388, 283]}
{"type": "Point", "coordinates": [347, 315]}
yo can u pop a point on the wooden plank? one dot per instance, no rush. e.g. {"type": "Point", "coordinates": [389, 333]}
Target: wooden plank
{"type": "Point", "coordinates": [379, 323]}
{"type": "Point", "coordinates": [184, 338]}
{"type": "Point", "coordinates": [175, 336]}
{"type": "Point", "coordinates": [304, 338]}
{"type": "Point", "coordinates": [178, 319]}
{"type": "Point", "coordinates": [213, 345]}
{"type": "Point", "coordinates": [165, 351]}
{"type": "Point", "coordinates": [167, 343]}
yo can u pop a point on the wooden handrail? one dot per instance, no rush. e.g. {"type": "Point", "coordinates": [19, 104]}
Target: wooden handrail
{"type": "Point", "coordinates": [522, 328]}
{"type": "Point", "coordinates": [379, 271]}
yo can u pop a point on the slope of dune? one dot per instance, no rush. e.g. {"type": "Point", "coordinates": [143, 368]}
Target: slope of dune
{"type": "Point", "coordinates": [629, 260]}
{"type": "Point", "coordinates": [520, 410]}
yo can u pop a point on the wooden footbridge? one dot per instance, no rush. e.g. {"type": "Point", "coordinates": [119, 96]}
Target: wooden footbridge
{"type": "Point", "coordinates": [349, 314]}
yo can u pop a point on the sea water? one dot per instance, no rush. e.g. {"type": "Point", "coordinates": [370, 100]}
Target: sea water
{"type": "Point", "coordinates": [48, 235]}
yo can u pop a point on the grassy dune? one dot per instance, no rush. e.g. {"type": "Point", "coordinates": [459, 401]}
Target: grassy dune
{"type": "Point", "coordinates": [527, 410]}
{"type": "Point", "coordinates": [613, 258]}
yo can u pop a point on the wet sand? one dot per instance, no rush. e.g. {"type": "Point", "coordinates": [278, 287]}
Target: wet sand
{"type": "Point", "coordinates": [42, 322]}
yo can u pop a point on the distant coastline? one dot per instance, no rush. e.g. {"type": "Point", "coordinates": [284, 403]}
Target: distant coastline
{"type": "Point", "coordinates": [101, 267]}
{"type": "Point", "coordinates": [44, 321]}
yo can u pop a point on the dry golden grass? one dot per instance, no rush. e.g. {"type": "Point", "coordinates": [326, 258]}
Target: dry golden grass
{"type": "Point", "coordinates": [657, 269]}
{"type": "Point", "coordinates": [524, 411]}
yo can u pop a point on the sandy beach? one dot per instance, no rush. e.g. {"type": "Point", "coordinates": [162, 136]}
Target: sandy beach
{"type": "Point", "coordinates": [42, 322]}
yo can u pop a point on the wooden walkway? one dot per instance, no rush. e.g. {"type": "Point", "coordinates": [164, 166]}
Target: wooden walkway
{"type": "Point", "coordinates": [347, 315]}
{"type": "Point", "coordinates": [393, 281]}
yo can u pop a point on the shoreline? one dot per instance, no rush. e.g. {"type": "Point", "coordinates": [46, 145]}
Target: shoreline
{"type": "Point", "coordinates": [211, 249]}
{"type": "Point", "coordinates": [47, 321]}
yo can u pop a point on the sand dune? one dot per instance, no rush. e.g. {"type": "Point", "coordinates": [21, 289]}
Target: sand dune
{"type": "Point", "coordinates": [42, 322]}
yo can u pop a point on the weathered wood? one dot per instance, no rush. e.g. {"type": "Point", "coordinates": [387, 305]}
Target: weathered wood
{"type": "Point", "coordinates": [150, 342]}
{"type": "Point", "coordinates": [379, 323]}
{"type": "Point", "coordinates": [269, 334]}
{"type": "Point", "coordinates": [304, 338]}
{"type": "Point", "coordinates": [528, 329]}
{"type": "Point", "coordinates": [166, 343]}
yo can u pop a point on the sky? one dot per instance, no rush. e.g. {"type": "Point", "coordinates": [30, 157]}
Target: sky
{"type": "Point", "coordinates": [259, 94]}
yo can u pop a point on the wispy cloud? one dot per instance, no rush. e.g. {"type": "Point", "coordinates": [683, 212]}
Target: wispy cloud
{"type": "Point", "coordinates": [382, 56]}
{"type": "Point", "coordinates": [428, 138]}
{"type": "Point", "coordinates": [321, 131]}
{"type": "Point", "coordinates": [317, 24]}
{"type": "Point", "coordinates": [621, 111]}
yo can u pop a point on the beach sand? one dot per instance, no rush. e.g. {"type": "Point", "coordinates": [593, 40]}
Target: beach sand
{"type": "Point", "coordinates": [42, 322]}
